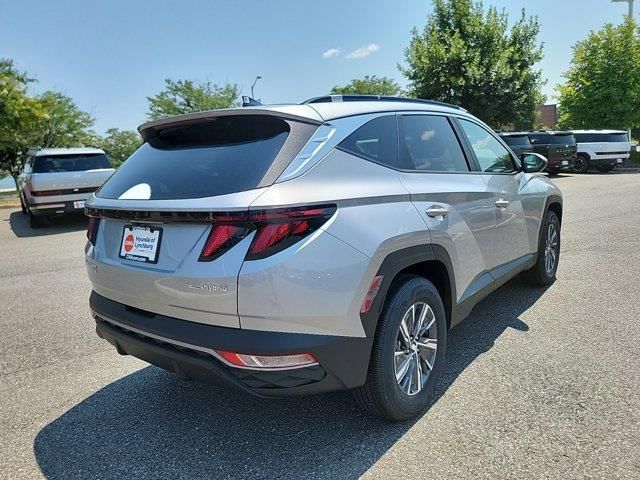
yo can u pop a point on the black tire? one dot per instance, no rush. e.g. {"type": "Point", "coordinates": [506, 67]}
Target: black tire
{"type": "Point", "coordinates": [581, 164]}
{"type": "Point", "coordinates": [604, 168]}
{"type": "Point", "coordinates": [539, 275]}
{"type": "Point", "coordinates": [381, 394]}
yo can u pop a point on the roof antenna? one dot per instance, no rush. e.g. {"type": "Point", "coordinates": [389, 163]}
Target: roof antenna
{"type": "Point", "coordinates": [247, 101]}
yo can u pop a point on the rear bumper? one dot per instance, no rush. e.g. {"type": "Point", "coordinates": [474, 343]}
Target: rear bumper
{"type": "Point", "coordinates": [182, 347]}
{"type": "Point", "coordinates": [608, 160]}
{"type": "Point", "coordinates": [54, 208]}
{"type": "Point", "coordinates": [559, 163]}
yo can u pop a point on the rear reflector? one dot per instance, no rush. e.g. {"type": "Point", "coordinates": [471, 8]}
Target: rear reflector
{"type": "Point", "coordinates": [267, 361]}
{"type": "Point", "coordinates": [371, 294]}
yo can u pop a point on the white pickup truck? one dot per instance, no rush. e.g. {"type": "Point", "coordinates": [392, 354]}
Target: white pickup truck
{"type": "Point", "coordinates": [601, 149]}
{"type": "Point", "coordinates": [56, 181]}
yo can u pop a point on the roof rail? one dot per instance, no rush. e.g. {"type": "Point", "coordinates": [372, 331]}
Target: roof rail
{"type": "Point", "coordinates": [376, 98]}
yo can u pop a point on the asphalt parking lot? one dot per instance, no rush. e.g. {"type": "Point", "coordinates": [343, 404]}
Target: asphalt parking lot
{"type": "Point", "coordinates": [538, 383]}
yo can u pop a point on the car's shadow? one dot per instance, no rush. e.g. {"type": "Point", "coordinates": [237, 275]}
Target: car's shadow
{"type": "Point", "coordinates": [63, 224]}
{"type": "Point", "coordinates": [151, 425]}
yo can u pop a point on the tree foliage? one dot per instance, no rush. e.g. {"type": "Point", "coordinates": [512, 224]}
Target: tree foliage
{"type": "Point", "coordinates": [17, 112]}
{"type": "Point", "coordinates": [63, 125]}
{"type": "Point", "coordinates": [369, 85]}
{"type": "Point", "coordinates": [119, 144]}
{"type": "Point", "coordinates": [470, 57]}
{"type": "Point", "coordinates": [186, 96]}
{"type": "Point", "coordinates": [47, 120]}
{"type": "Point", "coordinates": [602, 88]}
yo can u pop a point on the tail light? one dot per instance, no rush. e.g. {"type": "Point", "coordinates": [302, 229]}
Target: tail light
{"type": "Point", "coordinates": [92, 229]}
{"type": "Point", "coordinates": [45, 193]}
{"type": "Point", "coordinates": [268, 361]}
{"type": "Point", "coordinates": [275, 230]}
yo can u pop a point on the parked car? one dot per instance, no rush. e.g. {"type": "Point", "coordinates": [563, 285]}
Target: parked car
{"type": "Point", "coordinates": [517, 141]}
{"type": "Point", "coordinates": [559, 148]}
{"type": "Point", "coordinates": [297, 249]}
{"type": "Point", "coordinates": [601, 149]}
{"type": "Point", "coordinates": [55, 181]}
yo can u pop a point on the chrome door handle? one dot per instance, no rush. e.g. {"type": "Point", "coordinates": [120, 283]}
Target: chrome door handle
{"type": "Point", "coordinates": [436, 211]}
{"type": "Point", "coordinates": [502, 203]}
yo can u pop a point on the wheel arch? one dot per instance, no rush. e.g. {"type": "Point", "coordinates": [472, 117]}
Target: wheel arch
{"type": "Point", "coordinates": [428, 261]}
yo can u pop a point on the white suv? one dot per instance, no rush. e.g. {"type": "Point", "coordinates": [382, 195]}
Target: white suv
{"type": "Point", "coordinates": [601, 149]}
{"type": "Point", "coordinates": [54, 181]}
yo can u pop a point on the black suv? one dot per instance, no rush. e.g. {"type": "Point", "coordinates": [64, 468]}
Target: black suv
{"type": "Point", "coordinates": [559, 148]}
{"type": "Point", "coordinates": [517, 141]}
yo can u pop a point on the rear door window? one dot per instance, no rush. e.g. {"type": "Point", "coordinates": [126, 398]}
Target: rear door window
{"type": "Point", "coordinates": [217, 156]}
{"type": "Point", "coordinates": [617, 137]}
{"type": "Point", "coordinates": [70, 163]}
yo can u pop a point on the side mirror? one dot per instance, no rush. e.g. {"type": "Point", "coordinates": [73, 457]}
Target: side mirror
{"type": "Point", "coordinates": [533, 162]}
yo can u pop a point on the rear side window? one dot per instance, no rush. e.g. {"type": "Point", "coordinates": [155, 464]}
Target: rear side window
{"type": "Point", "coordinates": [590, 137]}
{"type": "Point", "coordinates": [376, 140]}
{"type": "Point", "coordinates": [492, 156]}
{"type": "Point", "coordinates": [218, 156]}
{"type": "Point", "coordinates": [70, 163]}
{"type": "Point", "coordinates": [617, 137]}
{"type": "Point", "coordinates": [428, 143]}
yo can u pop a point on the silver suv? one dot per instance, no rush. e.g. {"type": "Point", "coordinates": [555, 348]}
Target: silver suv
{"type": "Point", "coordinates": [296, 249]}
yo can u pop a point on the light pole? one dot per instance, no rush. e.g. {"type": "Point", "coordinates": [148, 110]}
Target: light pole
{"type": "Point", "coordinates": [259, 77]}
{"type": "Point", "coordinates": [630, 2]}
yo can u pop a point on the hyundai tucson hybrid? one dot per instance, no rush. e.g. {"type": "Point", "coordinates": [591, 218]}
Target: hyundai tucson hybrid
{"type": "Point", "coordinates": [55, 181]}
{"type": "Point", "coordinates": [297, 249]}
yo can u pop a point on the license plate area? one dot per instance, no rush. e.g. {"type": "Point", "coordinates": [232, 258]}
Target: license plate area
{"type": "Point", "coordinates": [140, 243]}
{"type": "Point", "coordinates": [78, 204]}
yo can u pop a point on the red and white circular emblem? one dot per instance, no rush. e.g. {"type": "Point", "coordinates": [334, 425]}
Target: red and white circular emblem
{"type": "Point", "coordinates": [128, 243]}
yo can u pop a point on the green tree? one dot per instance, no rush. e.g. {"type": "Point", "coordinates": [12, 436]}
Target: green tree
{"type": "Point", "coordinates": [369, 85]}
{"type": "Point", "coordinates": [186, 96]}
{"type": "Point", "coordinates": [468, 56]}
{"type": "Point", "coordinates": [18, 111]}
{"type": "Point", "coordinates": [63, 125]}
{"type": "Point", "coordinates": [602, 88]}
{"type": "Point", "coordinates": [119, 144]}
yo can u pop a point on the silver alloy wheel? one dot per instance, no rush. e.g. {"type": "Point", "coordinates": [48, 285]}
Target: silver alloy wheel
{"type": "Point", "coordinates": [416, 347]}
{"type": "Point", "coordinates": [551, 249]}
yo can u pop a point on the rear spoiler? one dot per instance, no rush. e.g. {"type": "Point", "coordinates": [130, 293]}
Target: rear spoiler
{"type": "Point", "coordinates": [149, 129]}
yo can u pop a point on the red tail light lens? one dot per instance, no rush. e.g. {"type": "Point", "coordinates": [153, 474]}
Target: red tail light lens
{"type": "Point", "coordinates": [275, 229]}
{"type": "Point", "coordinates": [279, 229]}
{"type": "Point", "coordinates": [45, 193]}
{"type": "Point", "coordinates": [92, 229]}
{"type": "Point", "coordinates": [221, 238]}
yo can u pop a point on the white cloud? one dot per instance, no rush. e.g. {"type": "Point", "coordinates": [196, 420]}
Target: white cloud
{"type": "Point", "coordinates": [332, 52]}
{"type": "Point", "coordinates": [363, 52]}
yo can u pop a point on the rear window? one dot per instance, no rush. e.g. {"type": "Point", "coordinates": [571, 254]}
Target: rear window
{"type": "Point", "coordinates": [552, 139]}
{"type": "Point", "coordinates": [516, 140]}
{"type": "Point", "coordinates": [221, 155]}
{"type": "Point", "coordinates": [70, 163]}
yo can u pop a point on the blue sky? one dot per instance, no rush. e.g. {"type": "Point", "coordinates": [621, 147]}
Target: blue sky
{"type": "Point", "coordinates": [109, 56]}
